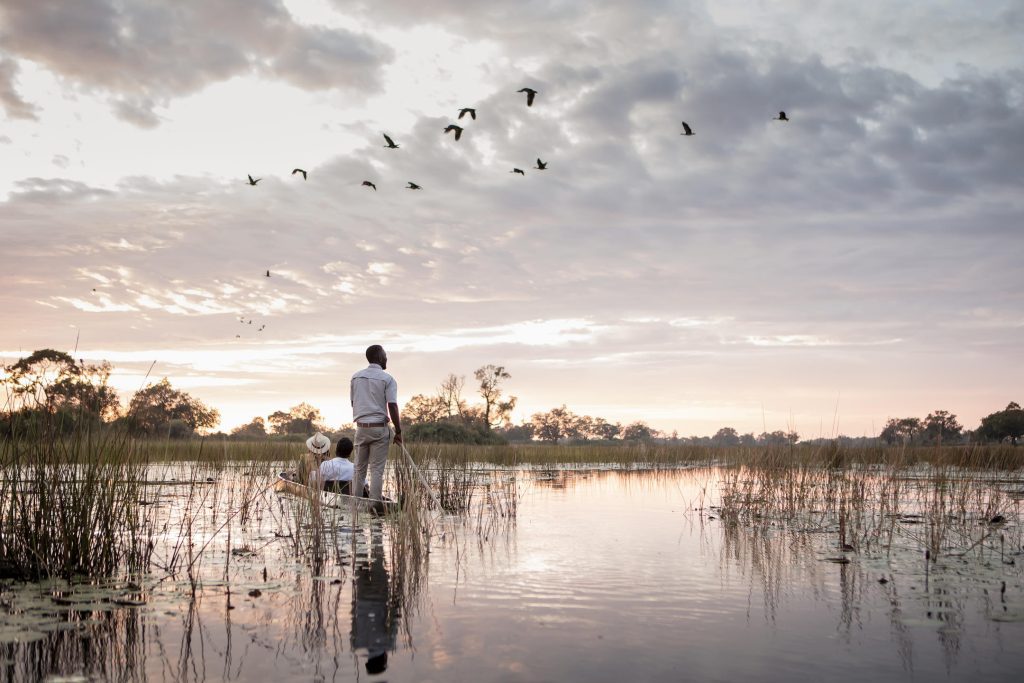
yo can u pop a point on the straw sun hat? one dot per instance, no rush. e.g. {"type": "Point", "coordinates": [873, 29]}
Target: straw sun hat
{"type": "Point", "coordinates": [318, 444]}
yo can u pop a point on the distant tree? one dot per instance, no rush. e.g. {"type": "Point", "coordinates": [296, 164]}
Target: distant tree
{"type": "Point", "coordinates": [52, 381]}
{"type": "Point", "coordinates": [725, 437]}
{"type": "Point", "coordinates": [518, 433]}
{"type": "Point", "coordinates": [1004, 425]}
{"type": "Point", "coordinates": [604, 430]}
{"type": "Point", "coordinates": [255, 429]}
{"type": "Point", "coordinates": [449, 395]}
{"type": "Point", "coordinates": [160, 409]}
{"type": "Point", "coordinates": [549, 426]}
{"type": "Point", "coordinates": [299, 419]}
{"type": "Point", "coordinates": [496, 408]}
{"type": "Point", "coordinates": [748, 439]}
{"type": "Point", "coordinates": [422, 409]}
{"type": "Point", "coordinates": [637, 431]}
{"type": "Point", "coordinates": [906, 430]}
{"type": "Point", "coordinates": [941, 426]}
{"type": "Point", "coordinates": [777, 438]}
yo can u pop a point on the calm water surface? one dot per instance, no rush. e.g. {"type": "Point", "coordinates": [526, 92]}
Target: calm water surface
{"type": "Point", "coordinates": [605, 576]}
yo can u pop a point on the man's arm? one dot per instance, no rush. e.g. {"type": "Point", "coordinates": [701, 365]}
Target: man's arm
{"type": "Point", "coordinates": [393, 411]}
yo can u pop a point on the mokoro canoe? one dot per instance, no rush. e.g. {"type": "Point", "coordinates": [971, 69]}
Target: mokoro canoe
{"type": "Point", "coordinates": [286, 483]}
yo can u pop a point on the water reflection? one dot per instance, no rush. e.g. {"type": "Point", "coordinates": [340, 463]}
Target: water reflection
{"type": "Point", "coordinates": [375, 609]}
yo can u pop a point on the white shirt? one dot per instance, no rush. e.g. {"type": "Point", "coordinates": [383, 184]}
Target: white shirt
{"type": "Point", "coordinates": [337, 469]}
{"type": "Point", "coordinates": [370, 391]}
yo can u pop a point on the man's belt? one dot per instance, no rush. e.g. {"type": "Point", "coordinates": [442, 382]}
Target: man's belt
{"type": "Point", "coordinates": [371, 424]}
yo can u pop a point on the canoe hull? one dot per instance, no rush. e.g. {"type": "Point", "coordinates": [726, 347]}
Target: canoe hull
{"type": "Point", "coordinates": [286, 484]}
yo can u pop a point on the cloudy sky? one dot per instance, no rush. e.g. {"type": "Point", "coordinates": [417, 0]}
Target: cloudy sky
{"type": "Point", "coordinates": [859, 262]}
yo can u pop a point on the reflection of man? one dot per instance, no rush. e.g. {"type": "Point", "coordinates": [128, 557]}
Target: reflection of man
{"type": "Point", "coordinates": [374, 396]}
{"type": "Point", "coordinates": [374, 617]}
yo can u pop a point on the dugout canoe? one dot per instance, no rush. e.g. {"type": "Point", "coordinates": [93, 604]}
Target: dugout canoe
{"type": "Point", "coordinates": [286, 483]}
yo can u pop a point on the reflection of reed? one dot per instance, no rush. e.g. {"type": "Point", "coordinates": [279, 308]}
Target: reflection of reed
{"type": "Point", "coordinates": [100, 645]}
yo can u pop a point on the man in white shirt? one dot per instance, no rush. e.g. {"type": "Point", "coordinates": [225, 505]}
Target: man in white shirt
{"type": "Point", "coordinates": [374, 397]}
{"type": "Point", "coordinates": [336, 473]}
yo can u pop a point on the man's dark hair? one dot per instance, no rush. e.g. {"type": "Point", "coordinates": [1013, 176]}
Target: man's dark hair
{"type": "Point", "coordinates": [373, 353]}
{"type": "Point", "coordinates": [344, 447]}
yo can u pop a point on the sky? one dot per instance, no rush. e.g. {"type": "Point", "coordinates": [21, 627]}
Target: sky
{"type": "Point", "coordinates": [861, 261]}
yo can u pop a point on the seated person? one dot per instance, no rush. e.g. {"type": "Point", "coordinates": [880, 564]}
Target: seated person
{"type": "Point", "coordinates": [336, 473]}
{"type": "Point", "coordinates": [317, 446]}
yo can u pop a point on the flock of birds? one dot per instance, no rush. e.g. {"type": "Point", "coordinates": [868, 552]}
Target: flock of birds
{"type": "Point", "coordinates": [455, 128]}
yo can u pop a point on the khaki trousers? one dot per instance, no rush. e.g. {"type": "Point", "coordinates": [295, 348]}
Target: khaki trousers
{"type": "Point", "coordinates": [371, 451]}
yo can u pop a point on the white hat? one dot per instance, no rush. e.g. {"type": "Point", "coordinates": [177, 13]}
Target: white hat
{"type": "Point", "coordinates": [318, 444]}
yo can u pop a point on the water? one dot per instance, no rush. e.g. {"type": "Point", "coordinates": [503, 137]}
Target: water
{"type": "Point", "coordinates": [604, 576]}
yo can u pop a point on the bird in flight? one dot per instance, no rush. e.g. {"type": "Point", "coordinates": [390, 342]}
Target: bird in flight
{"type": "Point", "coordinates": [518, 170]}
{"type": "Point", "coordinates": [268, 273]}
{"type": "Point", "coordinates": [457, 129]}
{"type": "Point", "coordinates": [253, 181]}
{"type": "Point", "coordinates": [530, 94]}
{"type": "Point", "coordinates": [541, 165]}
{"type": "Point", "coordinates": [367, 183]}
{"type": "Point", "coordinates": [781, 117]}
{"type": "Point", "coordinates": [299, 170]}
{"type": "Point", "coordinates": [686, 129]}
{"type": "Point", "coordinates": [261, 328]}
{"type": "Point", "coordinates": [413, 186]}
{"type": "Point", "coordinates": [468, 110]}
{"type": "Point", "coordinates": [391, 143]}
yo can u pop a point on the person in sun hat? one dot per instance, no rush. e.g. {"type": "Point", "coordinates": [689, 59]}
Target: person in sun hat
{"type": "Point", "coordinates": [316, 446]}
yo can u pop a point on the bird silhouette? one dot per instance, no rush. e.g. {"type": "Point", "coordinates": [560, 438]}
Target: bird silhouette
{"type": "Point", "coordinates": [299, 170]}
{"type": "Point", "coordinates": [268, 273]}
{"type": "Point", "coordinates": [261, 328]}
{"type": "Point", "coordinates": [530, 94]}
{"type": "Point", "coordinates": [367, 183]}
{"type": "Point", "coordinates": [457, 129]}
{"type": "Point", "coordinates": [391, 143]}
{"type": "Point", "coordinates": [468, 110]}
{"type": "Point", "coordinates": [781, 117]}
{"type": "Point", "coordinates": [253, 181]}
{"type": "Point", "coordinates": [413, 186]}
{"type": "Point", "coordinates": [238, 336]}
{"type": "Point", "coordinates": [518, 170]}
{"type": "Point", "coordinates": [686, 129]}
{"type": "Point", "coordinates": [541, 165]}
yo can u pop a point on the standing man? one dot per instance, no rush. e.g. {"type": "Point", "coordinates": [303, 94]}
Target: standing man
{"type": "Point", "coordinates": [374, 395]}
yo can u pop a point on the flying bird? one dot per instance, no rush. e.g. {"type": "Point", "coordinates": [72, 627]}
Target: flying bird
{"type": "Point", "coordinates": [686, 129]}
{"type": "Point", "coordinates": [367, 183]}
{"type": "Point", "coordinates": [299, 170]}
{"type": "Point", "coordinates": [468, 110]}
{"type": "Point", "coordinates": [391, 143]}
{"type": "Point", "coordinates": [781, 117]}
{"type": "Point", "coordinates": [268, 273]}
{"type": "Point", "coordinates": [530, 94]}
{"type": "Point", "coordinates": [541, 165]}
{"type": "Point", "coordinates": [413, 186]}
{"type": "Point", "coordinates": [261, 328]}
{"type": "Point", "coordinates": [518, 170]}
{"type": "Point", "coordinates": [457, 129]}
{"type": "Point", "coordinates": [253, 181]}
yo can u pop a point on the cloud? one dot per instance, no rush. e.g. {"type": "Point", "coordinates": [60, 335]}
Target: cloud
{"type": "Point", "coordinates": [144, 54]}
{"type": "Point", "coordinates": [15, 106]}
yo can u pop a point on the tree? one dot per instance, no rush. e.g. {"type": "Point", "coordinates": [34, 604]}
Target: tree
{"type": "Point", "coordinates": [778, 438]}
{"type": "Point", "coordinates": [160, 409]}
{"type": "Point", "coordinates": [1004, 425]}
{"type": "Point", "coordinates": [52, 381]}
{"type": "Point", "coordinates": [496, 410]}
{"type": "Point", "coordinates": [422, 409]}
{"type": "Point", "coordinates": [549, 426]}
{"type": "Point", "coordinates": [255, 429]}
{"type": "Point", "coordinates": [906, 430]}
{"type": "Point", "coordinates": [523, 432]}
{"type": "Point", "coordinates": [748, 439]}
{"type": "Point", "coordinates": [602, 429]}
{"type": "Point", "coordinates": [725, 437]}
{"type": "Point", "coordinates": [637, 431]}
{"type": "Point", "coordinates": [449, 395]}
{"type": "Point", "coordinates": [299, 419]}
{"type": "Point", "coordinates": [941, 426]}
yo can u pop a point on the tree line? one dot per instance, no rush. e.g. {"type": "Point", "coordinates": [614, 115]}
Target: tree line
{"type": "Point", "coordinates": [52, 387]}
